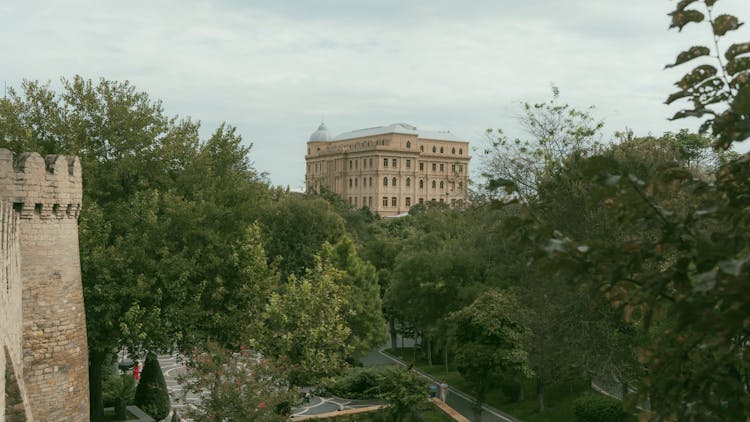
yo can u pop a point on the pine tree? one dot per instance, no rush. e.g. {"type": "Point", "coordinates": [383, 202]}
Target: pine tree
{"type": "Point", "coordinates": [151, 395]}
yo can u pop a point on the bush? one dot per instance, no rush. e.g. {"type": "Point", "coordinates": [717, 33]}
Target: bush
{"type": "Point", "coordinates": [511, 389]}
{"type": "Point", "coordinates": [151, 395]}
{"type": "Point", "coordinates": [598, 408]}
{"type": "Point", "coordinates": [356, 383]}
{"type": "Point", "coordinates": [118, 391]}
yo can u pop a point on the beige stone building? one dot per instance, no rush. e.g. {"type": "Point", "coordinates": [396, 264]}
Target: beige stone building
{"type": "Point", "coordinates": [390, 168]}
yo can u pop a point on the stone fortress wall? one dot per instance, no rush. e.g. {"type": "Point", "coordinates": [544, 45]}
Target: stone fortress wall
{"type": "Point", "coordinates": [44, 362]}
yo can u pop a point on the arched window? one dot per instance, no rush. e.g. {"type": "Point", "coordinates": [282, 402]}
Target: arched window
{"type": "Point", "coordinates": [453, 150]}
{"type": "Point", "coordinates": [442, 185]}
{"type": "Point", "coordinates": [408, 144]}
{"type": "Point", "coordinates": [434, 149]}
{"type": "Point", "coordinates": [460, 151]}
{"type": "Point", "coordinates": [385, 181]}
{"type": "Point", "coordinates": [393, 181]}
{"type": "Point", "coordinates": [421, 184]}
{"type": "Point", "coordinates": [434, 184]}
{"type": "Point", "coordinates": [408, 182]}
{"type": "Point", "coordinates": [441, 150]}
{"type": "Point", "coordinates": [421, 148]}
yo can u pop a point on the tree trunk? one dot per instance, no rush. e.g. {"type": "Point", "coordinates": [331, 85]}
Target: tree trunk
{"type": "Point", "coordinates": [392, 328]}
{"type": "Point", "coordinates": [96, 361]}
{"type": "Point", "coordinates": [445, 357]}
{"type": "Point", "coordinates": [540, 393]}
{"type": "Point", "coordinates": [521, 390]}
{"type": "Point", "coordinates": [429, 352]}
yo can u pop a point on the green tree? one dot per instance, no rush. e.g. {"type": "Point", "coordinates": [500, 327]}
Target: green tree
{"type": "Point", "coordinates": [304, 323]}
{"type": "Point", "coordinates": [151, 395]}
{"type": "Point", "coordinates": [489, 343]}
{"type": "Point", "coordinates": [363, 309]}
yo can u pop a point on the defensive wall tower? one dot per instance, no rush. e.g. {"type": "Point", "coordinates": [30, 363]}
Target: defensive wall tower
{"type": "Point", "coordinates": [44, 327]}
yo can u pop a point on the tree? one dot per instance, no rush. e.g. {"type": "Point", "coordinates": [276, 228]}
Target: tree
{"type": "Point", "coordinates": [151, 395]}
{"type": "Point", "coordinates": [304, 324]}
{"type": "Point", "coordinates": [363, 309]}
{"type": "Point", "coordinates": [237, 386]}
{"type": "Point", "coordinates": [489, 343]}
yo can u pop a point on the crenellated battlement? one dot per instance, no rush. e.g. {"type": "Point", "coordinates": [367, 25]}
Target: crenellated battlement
{"type": "Point", "coordinates": [49, 187]}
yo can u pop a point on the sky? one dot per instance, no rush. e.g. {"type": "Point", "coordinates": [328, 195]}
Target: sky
{"type": "Point", "coordinates": [276, 68]}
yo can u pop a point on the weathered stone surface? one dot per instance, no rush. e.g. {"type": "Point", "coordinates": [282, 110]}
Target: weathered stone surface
{"type": "Point", "coordinates": [43, 326]}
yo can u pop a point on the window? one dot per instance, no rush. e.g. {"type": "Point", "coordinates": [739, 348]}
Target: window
{"type": "Point", "coordinates": [453, 186]}
{"type": "Point", "coordinates": [460, 185]}
{"type": "Point", "coordinates": [442, 167]}
{"type": "Point", "coordinates": [364, 182]}
{"type": "Point", "coordinates": [355, 201]}
{"type": "Point", "coordinates": [421, 148]}
{"type": "Point", "coordinates": [364, 163]}
{"type": "Point", "coordinates": [350, 200]}
{"type": "Point", "coordinates": [364, 201]}
{"type": "Point", "coordinates": [421, 200]}
{"type": "Point", "coordinates": [393, 162]}
{"type": "Point", "coordinates": [370, 181]}
{"type": "Point", "coordinates": [421, 184]}
{"type": "Point", "coordinates": [460, 168]}
{"type": "Point", "coordinates": [442, 200]}
{"type": "Point", "coordinates": [434, 184]}
{"type": "Point", "coordinates": [350, 164]}
{"type": "Point", "coordinates": [350, 182]}
{"type": "Point", "coordinates": [385, 181]}
{"type": "Point", "coordinates": [453, 168]}
{"type": "Point", "coordinates": [434, 167]}
{"type": "Point", "coordinates": [408, 144]}
{"type": "Point", "coordinates": [355, 182]}
{"type": "Point", "coordinates": [408, 182]}
{"type": "Point", "coordinates": [369, 201]}
{"type": "Point", "coordinates": [453, 202]}
{"type": "Point", "coordinates": [453, 150]}
{"type": "Point", "coordinates": [434, 149]}
{"type": "Point", "coordinates": [441, 150]}
{"type": "Point", "coordinates": [393, 182]}
{"type": "Point", "coordinates": [408, 164]}
{"type": "Point", "coordinates": [385, 162]}
{"type": "Point", "coordinates": [408, 201]}
{"type": "Point", "coordinates": [460, 151]}
{"type": "Point", "coordinates": [442, 185]}
{"type": "Point", "coordinates": [385, 201]}
{"type": "Point", "coordinates": [393, 201]}
{"type": "Point", "coordinates": [370, 162]}
{"type": "Point", "coordinates": [356, 166]}
{"type": "Point", "coordinates": [421, 166]}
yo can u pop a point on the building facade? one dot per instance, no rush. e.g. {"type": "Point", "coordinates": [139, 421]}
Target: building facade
{"type": "Point", "coordinates": [390, 168]}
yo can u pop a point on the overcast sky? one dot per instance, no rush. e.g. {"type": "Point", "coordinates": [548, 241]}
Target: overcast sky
{"type": "Point", "coordinates": [274, 68]}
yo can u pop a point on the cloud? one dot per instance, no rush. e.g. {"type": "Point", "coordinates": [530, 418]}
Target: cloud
{"type": "Point", "coordinates": [274, 68]}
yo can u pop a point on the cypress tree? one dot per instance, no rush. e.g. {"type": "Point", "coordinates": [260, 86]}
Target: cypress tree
{"type": "Point", "coordinates": [151, 396]}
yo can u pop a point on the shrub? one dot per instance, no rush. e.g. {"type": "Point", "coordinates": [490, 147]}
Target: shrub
{"type": "Point", "coordinates": [593, 407]}
{"type": "Point", "coordinates": [356, 383]}
{"type": "Point", "coordinates": [118, 391]}
{"type": "Point", "coordinates": [511, 389]}
{"type": "Point", "coordinates": [151, 395]}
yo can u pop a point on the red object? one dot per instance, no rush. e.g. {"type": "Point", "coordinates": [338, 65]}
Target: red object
{"type": "Point", "coordinates": [137, 372]}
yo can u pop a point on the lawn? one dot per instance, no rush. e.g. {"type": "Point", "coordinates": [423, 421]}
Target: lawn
{"type": "Point", "coordinates": [558, 398]}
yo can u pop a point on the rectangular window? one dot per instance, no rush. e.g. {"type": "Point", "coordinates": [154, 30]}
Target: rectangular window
{"type": "Point", "coordinates": [369, 201]}
{"type": "Point", "coordinates": [442, 168]}
{"type": "Point", "coordinates": [434, 167]}
{"type": "Point", "coordinates": [393, 162]}
{"type": "Point", "coordinates": [356, 164]}
{"type": "Point", "coordinates": [453, 168]}
{"type": "Point", "coordinates": [350, 182]}
{"type": "Point", "coordinates": [393, 201]}
{"type": "Point", "coordinates": [408, 201]}
{"type": "Point", "coordinates": [460, 168]}
{"type": "Point", "coordinates": [421, 166]}
{"type": "Point", "coordinates": [385, 201]}
{"type": "Point", "coordinates": [442, 200]}
{"type": "Point", "coordinates": [421, 200]}
{"type": "Point", "coordinates": [350, 164]}
{"type": "Point", "coordinates": [385, 162]}
{"type": "Point", "coordinates": [355, 201]}
{"type": "Point", "coordinates": [355, 182]}
{"type": "Point", "coordinates": [408, 164]}
{"type": "Point", "coordinates": [364, 163]}
{"type": "Point", "coordinates": [370, 162]}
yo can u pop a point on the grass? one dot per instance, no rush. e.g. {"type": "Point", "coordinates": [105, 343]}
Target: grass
{"type": "Point", "coordinates": [558, 398]}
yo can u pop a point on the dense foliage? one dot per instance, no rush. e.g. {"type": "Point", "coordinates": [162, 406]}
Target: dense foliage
{"type": "Point", "coordinates": [151, 395]}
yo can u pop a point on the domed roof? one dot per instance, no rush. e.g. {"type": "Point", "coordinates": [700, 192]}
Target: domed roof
{"type": "Point", "coordinates": [321, 135]}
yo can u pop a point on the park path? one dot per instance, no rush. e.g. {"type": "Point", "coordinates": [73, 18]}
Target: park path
{"type": "Point", "coordinates": [457, 399]}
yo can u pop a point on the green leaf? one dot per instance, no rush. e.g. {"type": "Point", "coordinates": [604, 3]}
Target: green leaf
{"type": "Point", "coordinates": [697, 75]}
{"type": "Point", "coordinates": [738, 65]}
{"type": "Point", "coordinates": [710, 3]}
{"type": "Point", "coordinates": [735, 50]}
{"type": "Point", "coordinates": [690, 54]}
{"type": "Point", "coordinates": [680, 18]}
{"type": "Point", "coordinates": [677, 95]}
{"type": "Point", "coordinates": [725, 23]}
{"type": "Point", "coordinates": [692, 113]}
{"type": "Point", "coordinates": [683, 4]}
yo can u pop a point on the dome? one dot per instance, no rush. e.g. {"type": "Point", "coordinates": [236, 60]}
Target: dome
{"type": "Point", "coordinates": [321, 135]}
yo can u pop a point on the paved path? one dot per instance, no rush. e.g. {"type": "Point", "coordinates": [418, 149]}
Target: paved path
{"type": "Point", "coordinates": [456, 399]}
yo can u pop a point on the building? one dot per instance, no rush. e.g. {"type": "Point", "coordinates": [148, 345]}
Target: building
{"type": "Point", "coordinates": [390, 168]}
{"type": "Point", "coordinates": [44, 356]}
